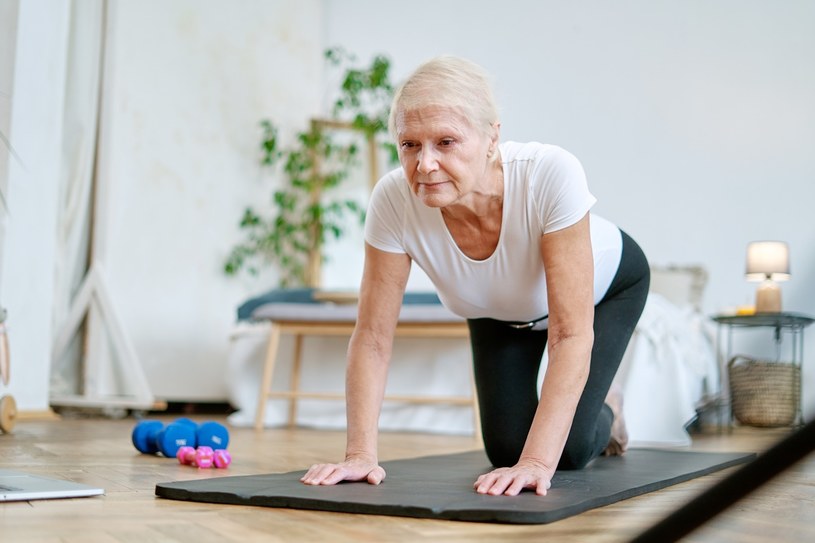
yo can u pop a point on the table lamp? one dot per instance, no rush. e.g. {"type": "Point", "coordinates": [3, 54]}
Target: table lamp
{"type": "Point", "coordinates": [768, 262]}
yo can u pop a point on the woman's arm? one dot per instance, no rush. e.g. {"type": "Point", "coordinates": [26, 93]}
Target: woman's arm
{"type": "Point", "coordinates": [567, 256]}
{"type": "Point", "coordinates": [369, 352]}
{"type": "Point", "coordinates": [383, 285]}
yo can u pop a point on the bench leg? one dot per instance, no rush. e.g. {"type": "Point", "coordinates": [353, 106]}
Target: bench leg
{"type": "Point", "coordinates": [268, 372]}
{"type": "Point", "coordinates": [295, 379]}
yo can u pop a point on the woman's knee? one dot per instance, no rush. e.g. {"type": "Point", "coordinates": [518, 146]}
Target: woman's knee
{"type": "Point", "coordinates": [578, 452]}
{"type": "Point", "coordinates": [504, 451]}
{"type": "Point", "coordinates": [575, 458]}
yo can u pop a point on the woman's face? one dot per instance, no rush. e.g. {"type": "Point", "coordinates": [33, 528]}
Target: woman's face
{"type": "Point", "coordinates": [444, 157]}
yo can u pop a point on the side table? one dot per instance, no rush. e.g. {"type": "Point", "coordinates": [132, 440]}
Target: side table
{"type": "Point", "coordinates": [792, 323]}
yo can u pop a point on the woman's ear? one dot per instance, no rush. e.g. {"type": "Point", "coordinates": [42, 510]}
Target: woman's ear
{"type": "Point", "coordinates": [494, 137]}
{"type": "Point", "coordinates": [496, 134]}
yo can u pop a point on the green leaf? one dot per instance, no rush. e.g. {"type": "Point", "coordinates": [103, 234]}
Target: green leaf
{"type": "Point", "coordinates": [313, 164]}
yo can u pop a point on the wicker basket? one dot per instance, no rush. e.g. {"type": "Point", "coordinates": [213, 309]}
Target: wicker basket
{"type": "Point", "coordinates": [764, 393]}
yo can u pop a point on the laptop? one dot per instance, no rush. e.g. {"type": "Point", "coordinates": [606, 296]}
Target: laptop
{"type": "Point", "coordinates": [19, 486]}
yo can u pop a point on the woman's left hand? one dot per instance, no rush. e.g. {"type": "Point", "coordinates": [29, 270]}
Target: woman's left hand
{"type": "Point", "coordinates": [510, 481]}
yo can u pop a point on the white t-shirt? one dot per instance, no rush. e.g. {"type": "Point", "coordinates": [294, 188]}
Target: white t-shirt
{"type": "Point", "coordinates": [545, 190]}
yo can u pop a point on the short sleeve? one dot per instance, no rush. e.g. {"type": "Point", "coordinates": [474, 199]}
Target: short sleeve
{"type": "Point", "coordinates": [560, 190]}
{"type": "Point", "coordinates": [384, 219]}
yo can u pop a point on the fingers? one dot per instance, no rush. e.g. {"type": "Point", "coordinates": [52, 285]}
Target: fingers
{"type": "Point", "coordinates": [510, 482]}
{"type": "Point", "coordinates": [331, 474]}
{"type": "Point", "coordinates": [495, 483]}
{"type": "Point", "coordinates": [376, 476]}
{"type": "Point", "coordinates": [320, 474]}
{"type": "Point", "coordinates": [515, 487]}
{"type": "Point", "coordinates": [543, 487]}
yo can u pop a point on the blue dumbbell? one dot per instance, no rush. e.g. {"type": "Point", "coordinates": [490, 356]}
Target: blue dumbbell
{"type": "Point", "coordinates": [151, 437]}
{"type": "Point", "coordinates": [208, 434]}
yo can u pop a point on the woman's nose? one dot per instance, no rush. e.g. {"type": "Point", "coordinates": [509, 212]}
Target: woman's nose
{"type": "Point", "coordinates": [427, 160]}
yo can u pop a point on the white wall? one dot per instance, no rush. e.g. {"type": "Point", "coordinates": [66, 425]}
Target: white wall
{"type": "Point", "coordinates": [29, 246]}
{"type": "Point", "coordinates": [694, 120]}
{"type": "Point", "coordinates": [187, 85]}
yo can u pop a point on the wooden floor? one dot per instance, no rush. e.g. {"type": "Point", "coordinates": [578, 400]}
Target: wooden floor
{"type": "Point", "coordinates": [98, 452]}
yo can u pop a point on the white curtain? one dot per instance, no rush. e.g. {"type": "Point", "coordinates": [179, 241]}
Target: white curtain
{"type": "Point", "coordinates": [76, 187]}
{"type": "Point", "coordinates": [8, 42]}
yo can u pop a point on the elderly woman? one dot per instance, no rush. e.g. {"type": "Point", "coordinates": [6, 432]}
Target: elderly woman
{"type": "Point", "coordinates": [505, 233]}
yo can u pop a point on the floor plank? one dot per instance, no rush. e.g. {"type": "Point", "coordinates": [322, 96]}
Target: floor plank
{"type": "Point", "coordinates": [99, 452]}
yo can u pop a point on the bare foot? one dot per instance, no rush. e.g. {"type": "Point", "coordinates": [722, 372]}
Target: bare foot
{"type": "Point", "coordinates": [618, 442]}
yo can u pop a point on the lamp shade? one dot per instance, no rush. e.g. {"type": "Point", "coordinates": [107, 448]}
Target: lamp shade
{"type": "Point", "coordinates": [768, 260]}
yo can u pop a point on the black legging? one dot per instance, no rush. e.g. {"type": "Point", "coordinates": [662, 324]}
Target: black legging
{"type": "Point", "coordinates": [507, 360]}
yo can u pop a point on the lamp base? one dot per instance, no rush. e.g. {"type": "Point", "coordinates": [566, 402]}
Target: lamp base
{"type": "Point", "coordinates": [768, 297]}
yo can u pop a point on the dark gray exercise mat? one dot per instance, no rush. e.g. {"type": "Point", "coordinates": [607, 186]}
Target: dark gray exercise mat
{"type": "Point", "coordinates": [440, 487]}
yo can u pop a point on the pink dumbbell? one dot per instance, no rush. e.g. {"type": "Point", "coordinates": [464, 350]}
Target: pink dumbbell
{"type": "Point", "coordinates": [222, 458]}
{"type": "Point", "coordinates": [186, 455]}
{"type": "Point", "coordinates": [204, 457]}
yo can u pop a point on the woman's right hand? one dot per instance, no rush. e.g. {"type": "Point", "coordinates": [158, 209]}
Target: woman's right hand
{"type": "Point", "coordinates": [352, 469]}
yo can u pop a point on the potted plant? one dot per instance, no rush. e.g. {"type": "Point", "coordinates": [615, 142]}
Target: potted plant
{"type": "Point", "coordinates": [309, 210]}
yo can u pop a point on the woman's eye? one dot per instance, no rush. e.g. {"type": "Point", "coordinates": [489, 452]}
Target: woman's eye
{"type": "Point", "coordinates": [407, 145]}
{"type": "Point", "coordinates": [446, 142]}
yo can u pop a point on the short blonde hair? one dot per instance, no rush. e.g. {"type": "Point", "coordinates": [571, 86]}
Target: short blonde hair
{"type": "Point", "coordinates": [451, 82]}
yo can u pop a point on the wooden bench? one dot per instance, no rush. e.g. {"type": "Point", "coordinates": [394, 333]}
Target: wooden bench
{"type": "Point", "coordinates": [302, 320]}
